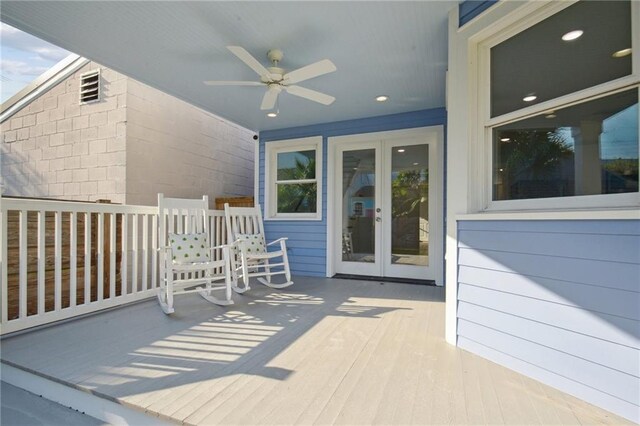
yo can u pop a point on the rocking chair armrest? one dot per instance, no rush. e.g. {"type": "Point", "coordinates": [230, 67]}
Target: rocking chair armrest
{"type": "Point", "coordinates": [278, 240]}
{"type": "Point", "coordinates": [221, 246]}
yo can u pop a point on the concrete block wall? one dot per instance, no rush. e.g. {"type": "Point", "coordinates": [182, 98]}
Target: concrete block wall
{"type": "Point", "coordinates": [57, 148]}
{"type": "Point", "coordinates": [137, 141]}
{"type": "Point", "coordinates": [180, 150]}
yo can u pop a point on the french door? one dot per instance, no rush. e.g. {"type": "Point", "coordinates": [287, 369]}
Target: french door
{"type": "Point", "coordinates": [385, 202]}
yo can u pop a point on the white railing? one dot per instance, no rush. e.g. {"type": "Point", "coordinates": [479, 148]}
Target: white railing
{"type": "Point", "coordinates": [63, 259]}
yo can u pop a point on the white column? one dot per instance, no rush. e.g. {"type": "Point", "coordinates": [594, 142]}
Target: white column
{"type": "Point", "coordinates": [588, 173]}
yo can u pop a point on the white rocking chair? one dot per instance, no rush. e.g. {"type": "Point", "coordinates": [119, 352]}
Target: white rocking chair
{"type": "Point", "coordinates": [251, 257]}
{"type": "Point", "coordinates": [187, 258]}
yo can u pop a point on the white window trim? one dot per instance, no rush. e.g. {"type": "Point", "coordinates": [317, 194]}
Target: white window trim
{"type": "Point", "coordinates": [272, 149]}
{"type": "Point", "coordinates": [531, 15]}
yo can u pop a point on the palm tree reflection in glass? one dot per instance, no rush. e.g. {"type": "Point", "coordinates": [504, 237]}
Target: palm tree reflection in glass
{"type": "Point", "coordinates": [298, 197]}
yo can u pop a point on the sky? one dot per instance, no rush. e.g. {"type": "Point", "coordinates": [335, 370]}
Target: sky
{"type": "Point", "coordinates": [23, 57]}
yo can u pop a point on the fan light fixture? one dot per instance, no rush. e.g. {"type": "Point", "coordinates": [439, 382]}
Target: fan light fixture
{"type": "Point", "coordinates": [382, 98]}
{"type": "Point", "coordinates": [622, 53]}
{"type": "Point", "coordinates": [277, 80]}
{"type": "Point", "coordinates": [530, 98]}
{"type": "Point", "coordinates": [572, 35]}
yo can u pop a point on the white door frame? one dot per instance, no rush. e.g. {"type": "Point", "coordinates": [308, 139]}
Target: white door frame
{"type": "Point", "coordinates": [434, 135]}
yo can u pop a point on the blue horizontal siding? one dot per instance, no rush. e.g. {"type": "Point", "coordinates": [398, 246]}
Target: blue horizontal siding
{"type": "Point", "coordinates": [469, 9]}
{"type": "Point", "coordinates": [556, 300]}
{"type": "Point", "coordinates": [605, 300]}
{"type": "Point", "coordinates": [307, 242]}
{"type": "Point", "coordinates": [618, 357]}
{"type": "Point", "coordinates": [565, 268]}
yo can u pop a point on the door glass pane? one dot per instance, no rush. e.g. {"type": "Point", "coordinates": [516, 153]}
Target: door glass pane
{"type": "Point", "coordinates": [410, 205]}
{"type": "Point", "coordinates": [358, 205]}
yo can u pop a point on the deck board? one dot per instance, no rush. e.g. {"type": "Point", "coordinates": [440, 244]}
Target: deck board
{"type": "Point", "coordinates": [320, 352]}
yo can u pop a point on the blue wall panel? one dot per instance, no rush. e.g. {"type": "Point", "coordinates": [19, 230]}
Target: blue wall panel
{"type": "Point", "coordinates": [307, 242]}
{"type": "Point", "coordinates": [558, 301]}
{"type": "Point", "coordinates": [469, 9]}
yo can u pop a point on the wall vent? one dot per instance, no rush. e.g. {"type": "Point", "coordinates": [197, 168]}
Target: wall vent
{"type": "Point", "coordinates": [90, 87]}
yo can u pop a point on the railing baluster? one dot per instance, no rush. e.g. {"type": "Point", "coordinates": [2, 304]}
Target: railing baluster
{"type": "Point", "coordinates": [22, 282]}
{"type": "Point", "coordinates": [154, 252]}
{"type": "Point", "coordinates": [145, 251]}
{"type": "Point", "coordinates": [41, 261]}
{"type": "Point", "coordinates": [87, 258]}
{"type": "Point", "coordinates": [125, 256]}
{"type": "Point", "coordinates": [134, 254]}
{"type": "Point", "coordinates": [112, 256]}
{"type": "Point", "coordinates": [73, 237]}
{"type": "Point", "coordinates": [100, 259]}
{"type": "Point", "coordinates": [57, 291]}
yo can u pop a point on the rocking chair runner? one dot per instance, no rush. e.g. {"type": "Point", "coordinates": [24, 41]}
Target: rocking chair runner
{"type": "Point", "coordinates": [186, 257]}
{"type": "Point", "coordinates": [250, 256]}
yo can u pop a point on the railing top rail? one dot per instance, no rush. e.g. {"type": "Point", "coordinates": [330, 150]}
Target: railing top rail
{"type": "Point", "coordinates": [81, 207]}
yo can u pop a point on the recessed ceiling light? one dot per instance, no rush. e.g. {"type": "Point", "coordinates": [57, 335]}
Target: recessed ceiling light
{"type": "Point", "coordinates": [622, 53]}
{"type": "Point", "coordinates": [572, 35]}
{"type": "Point", "coordinates": [382, 98]}
{"type": "Point", "coordinates": [505, 139]}
{"type": "Point", "coordinates": [530, 98]}
{"type": "Point", "coordinates": [501, 170]}
{"type": "Point", "coordinates": [401, 150]}
{"type": "Point", "coordinates": [272, 114]}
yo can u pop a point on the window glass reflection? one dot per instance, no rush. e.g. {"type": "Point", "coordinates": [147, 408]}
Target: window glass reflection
{"type": "Point", "coordinates": [587, 149]}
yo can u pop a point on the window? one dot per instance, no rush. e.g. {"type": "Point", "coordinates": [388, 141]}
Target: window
{"type": "Point", "coordinates": [358, 209]}
{"type": "Point", "coordinates": [294, 179]}
{"type": "Point", "coordinates": [90, 87]}
{"type": "Point", "coordinates": [562, 110]}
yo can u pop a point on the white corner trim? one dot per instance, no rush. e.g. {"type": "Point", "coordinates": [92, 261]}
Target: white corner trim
{"type": "Point", "coordinates": [41, 85]}
{"type": "Point", "coordinates": [618, 214]}
{"type": "Point", "coordinates": [256, 173]}
{"type": "Point", "coordinates": [82, 401]}
{"type": "Point", "coordinates": [331, 215]}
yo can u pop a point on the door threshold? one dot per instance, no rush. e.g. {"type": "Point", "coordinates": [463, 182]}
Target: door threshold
{"type": "Point", "coordinates": [383, 280]}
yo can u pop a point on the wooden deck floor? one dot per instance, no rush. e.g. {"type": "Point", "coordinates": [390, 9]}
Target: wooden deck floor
{"type": "Point", "coordinates": [321, 352]}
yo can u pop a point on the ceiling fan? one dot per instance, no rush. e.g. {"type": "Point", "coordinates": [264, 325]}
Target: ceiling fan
{"type": "Point", "coordinates": [277, 79]}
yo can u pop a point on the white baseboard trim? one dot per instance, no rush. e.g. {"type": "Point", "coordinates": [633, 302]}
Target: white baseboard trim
{"type": "Point", "coordinates": [82, 401]}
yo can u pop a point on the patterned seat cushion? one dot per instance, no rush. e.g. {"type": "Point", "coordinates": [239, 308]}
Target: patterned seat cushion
{"type": "Point", "coordinates": [189, 248]}
{"type": "Point", "coordinates": [254, 243]}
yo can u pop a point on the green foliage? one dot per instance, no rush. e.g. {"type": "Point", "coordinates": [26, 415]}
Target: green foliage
{"type": "Point", "coordinates": [537, 153]}
{"type": "Point", "coordinates": [298, 197]}
{"type": "Point", "coordinates": [408, 190]}
{"type": "Point", "coordinates": [623, 167]}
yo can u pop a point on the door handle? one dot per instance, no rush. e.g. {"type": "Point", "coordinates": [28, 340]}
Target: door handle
{"type": "Point", "coordinates": [378, 219]}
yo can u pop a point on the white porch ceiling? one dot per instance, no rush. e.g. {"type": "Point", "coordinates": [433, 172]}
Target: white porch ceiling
{"type": "Point", "coordinates": [394, 48]}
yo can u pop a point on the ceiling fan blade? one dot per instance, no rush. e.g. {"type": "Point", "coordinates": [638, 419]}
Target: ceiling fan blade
{"type": "Point", "coordinates": [233, 83]}
{"type": "Point", "coordinates": [270, 98]}
{"type": "Point", "coordinates": [310, 71]}
{"type": "Point", "coordinates": [252, 62]}
{"type": "Point", "coordinates": [312, 95]}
